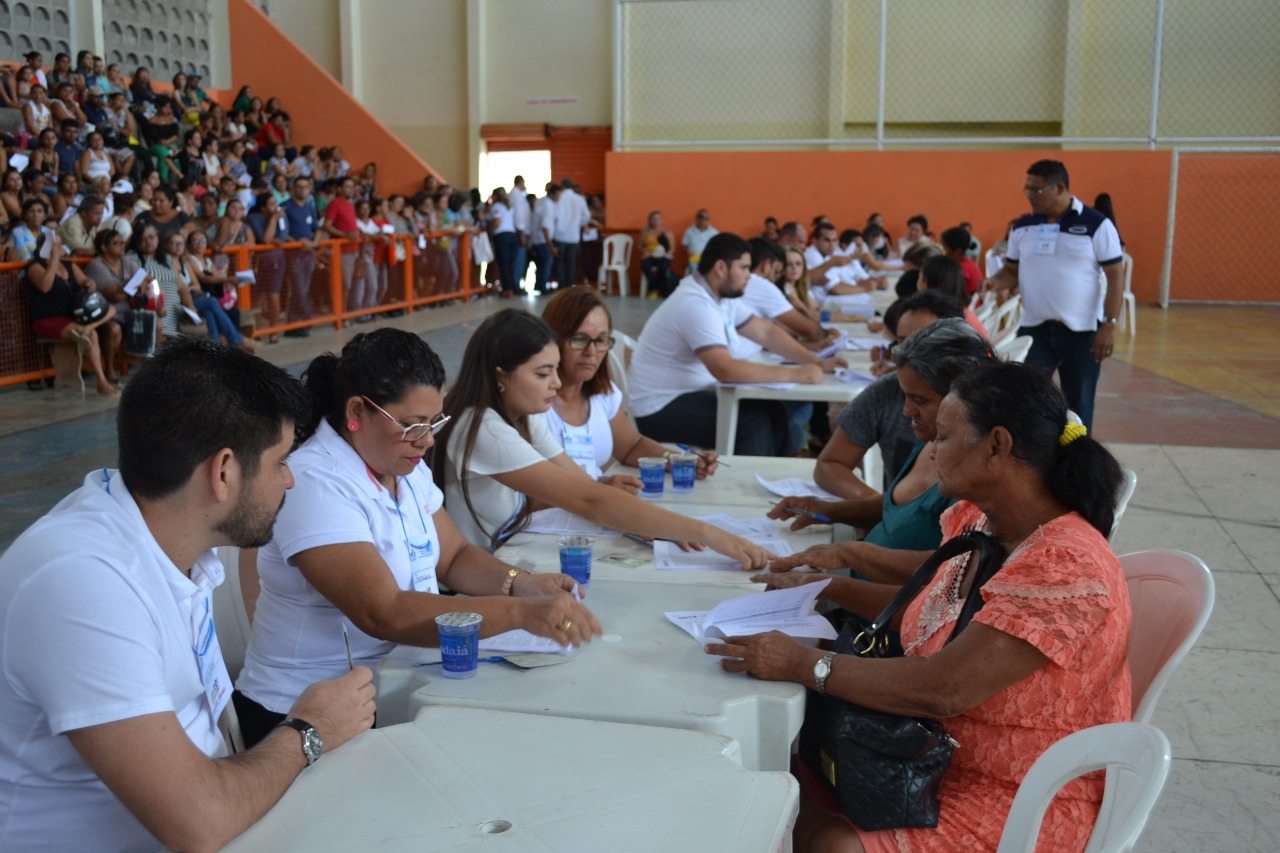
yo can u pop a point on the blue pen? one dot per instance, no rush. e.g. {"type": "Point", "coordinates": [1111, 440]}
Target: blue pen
{"type": "Point", "coordinates": [698, 453]}
{"type": "Point", "coordinates": [814, 515]}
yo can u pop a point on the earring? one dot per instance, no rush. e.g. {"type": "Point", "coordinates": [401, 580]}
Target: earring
{"type": "Point", "coordinates": [502, 389]}
{"type": "Point", "coordinates": [353, 426]}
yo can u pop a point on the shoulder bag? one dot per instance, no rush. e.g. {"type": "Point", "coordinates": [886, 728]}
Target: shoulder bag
{"type": "Point", "coordinates": [884, 769]}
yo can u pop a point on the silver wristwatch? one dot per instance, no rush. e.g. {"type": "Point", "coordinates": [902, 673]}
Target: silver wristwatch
{"type": "Point", "coordinates": [821, 670]}
{"type": "Point", "coordinates": [312, 743]}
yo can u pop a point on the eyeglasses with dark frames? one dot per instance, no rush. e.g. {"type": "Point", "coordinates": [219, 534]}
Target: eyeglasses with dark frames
{"type": "Point", "coordinates": [604, 343]}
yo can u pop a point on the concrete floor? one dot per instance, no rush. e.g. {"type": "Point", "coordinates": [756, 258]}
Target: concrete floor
{"type": "Point", "coordinates": [1205, 444]}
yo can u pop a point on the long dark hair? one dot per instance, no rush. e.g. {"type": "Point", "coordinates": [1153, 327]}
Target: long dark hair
{"type": "Point", "coordinates": [565, 312]}
{"type": "Point", "coordinates": [382, 365]}
{"type": "Point", "coordinates": [506, 340]}
{"type": "Point", "coordinates": [1082, 476]}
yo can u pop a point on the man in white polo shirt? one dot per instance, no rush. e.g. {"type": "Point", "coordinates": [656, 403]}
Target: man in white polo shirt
{"type": "Point", "coordinates": [687, 346]}
{"type": "Point", "coordinates": [1054, 256]}
{"type": "Point", "coordinates": [831, 274]}
{"type": "Point", "coordinates": [696, 236]}
{"type": "Point", "coordinates": [765, 298]}
{"type": "Point", "coordinates": [112, 676]}
{"type": "Point", "coordinates": [572, 214]}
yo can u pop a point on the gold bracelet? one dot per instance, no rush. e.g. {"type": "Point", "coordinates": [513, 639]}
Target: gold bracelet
{"type": "Point", "coordinates": [508, 585]}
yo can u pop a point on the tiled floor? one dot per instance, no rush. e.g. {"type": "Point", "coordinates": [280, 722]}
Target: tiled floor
{"type": "Point", "coordinates": [1198, 422]}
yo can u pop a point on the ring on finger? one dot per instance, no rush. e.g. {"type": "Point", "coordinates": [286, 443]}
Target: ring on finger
{"type": "Point", "coordinates": [563, 625]}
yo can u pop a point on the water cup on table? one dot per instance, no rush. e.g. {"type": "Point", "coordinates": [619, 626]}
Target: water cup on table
{"type": "Point", "coordinates": [824, 315]}
{"type": "Point", "coordinates": [653, 473]}
{"type": "Point", "coordinates": [684, 470]}
{"type": "Point", "coordinates": [575, 558]}
{"type": "Point", "coordinates": [459, 643]}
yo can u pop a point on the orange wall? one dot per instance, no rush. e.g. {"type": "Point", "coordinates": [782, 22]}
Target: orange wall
{"type": "Point", "coordinates": [983, 187]}
{"type": "Point", "coordinates": [322, 111]}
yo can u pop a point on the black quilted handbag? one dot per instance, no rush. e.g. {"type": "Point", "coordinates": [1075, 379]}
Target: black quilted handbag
{"type": "Point", "coordinates": [884, 769]}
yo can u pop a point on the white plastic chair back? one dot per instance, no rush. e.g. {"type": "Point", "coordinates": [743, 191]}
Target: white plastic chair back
{"type": "Point", "coordinates": [1136, 758]}
{"type": "Point", "coordinates": [619, 361]}
{"type": "Point", "coordinates": [617, 259]}
{"type": "Point", "coordinates": [1003, 322]}
{"type": "Point", "coordinates": [1171, 596]}
{"type": "Point", "coordinates": [229, 616]}
{"type": "Point", "coordinates": [1122, 503]}
{"type": "Point", "coordinates": [1129, 306]}
{"type": "Point", "coordinates": [873, 468]}
{"type": "Point", "coordinates": [993, 263]}
{"type": "Point", "coordinates": [1014, 349]}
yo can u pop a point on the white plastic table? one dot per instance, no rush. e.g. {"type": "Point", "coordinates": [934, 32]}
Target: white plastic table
{"type": "Point", "coordinates": [539, 552]}
{"type": "Point", "coordinates": [463, 780]}
{"type": "Point", "coordinates": [829, 390]}
{"type": "Point", "coordinates": [644, 670]}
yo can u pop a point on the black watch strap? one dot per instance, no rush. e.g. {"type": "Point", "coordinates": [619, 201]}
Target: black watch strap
{"type": "Point", "coordinates": [312, 745]}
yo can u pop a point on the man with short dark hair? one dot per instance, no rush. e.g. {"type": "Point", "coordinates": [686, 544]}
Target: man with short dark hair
{"type": "Point", "coordinates": [68, 147]}
{"type": "Point", "coordinates": [303, 223]}
{"type": "Point", "coordinates": [340, 221]}
{"type": "Point", "coordinates": [78, 231]}
{"type": "Point", "coordinates": [696, 237]}
{"type": "Point", "coordinates": [113, 677]}
{"type": "Point", "coordinates": [572, 214]}
{"type": "Point", "coordinates": [830, 272]}
{"type": "Point", "coordinates": [1055, 254]}
{"type": "Point", "coordinates": [687, 346]}
{"type": "Point", "coordinates": [955, 244]}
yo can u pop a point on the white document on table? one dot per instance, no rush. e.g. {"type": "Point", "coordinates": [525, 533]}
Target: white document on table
{"type": "Point", "coordinates": [246, 276]}
{"type": "Point", "coordinates": [132, 285]}
{"type": "Point", "coordinates": [834, 347]}
{"type": "Point", "coordinates": [520, 641]}
{"type": "Point", "coordinates": [789, 487]}
{"type": "Point", "coordinates": [778, 385]}
{"type": "Point", "coordinates": [669, 558]}
{"type": "Point", "coordinates": [787, 610]}
{"type": "Point", "coordinates": [853, 377]}
{"type": "Point", "coordinates": [856, 343]}
{"type": "Point", "coordinates": [559, 522]}
{"type": "Point", "coordinates": [749, 528]}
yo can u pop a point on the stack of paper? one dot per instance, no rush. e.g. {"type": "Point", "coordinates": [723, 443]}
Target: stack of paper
{"type": "Point", "coordinates": [779, 385]}
{"type": "Point", "coordinates": [521, 641]}
{"type": "Point", "coordinates": [759, 531]}
{"type": "Point", "coordinates": [853, 377]}
{"type": "Point", "coordinates": [856, 343]}
{"type": "Point", "coordinates": [559, 522]}
{"type": "Point", "coordinates": [789, 487]}
{"type": "Point", "coordinates": [787, 610]}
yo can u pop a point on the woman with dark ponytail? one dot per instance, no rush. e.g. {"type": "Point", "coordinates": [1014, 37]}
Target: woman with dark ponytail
{"type": "Point", "coordinates": [363, 539]}
{"type": "Point", "coordinates": [1047, 655]}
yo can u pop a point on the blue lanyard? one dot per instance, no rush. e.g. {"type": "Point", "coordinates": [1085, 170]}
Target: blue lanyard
{"type": "Point", "coordinates": [208, 639]}
{"type": "Point", "coordinates": [421, 520]}
{"type": "Point", "coordinates": [106, 479]}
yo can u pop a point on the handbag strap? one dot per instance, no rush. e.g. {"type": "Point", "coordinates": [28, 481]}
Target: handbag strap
{"type": "Point", "coordinates": [970, 540]}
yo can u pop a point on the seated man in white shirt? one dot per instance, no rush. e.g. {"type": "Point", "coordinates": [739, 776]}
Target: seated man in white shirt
{"type": "Point", "coordinates": [696, 237]}
{"type": "Point", "coordinates": [687, 346]}
{"type": "Point", "coordinates": [767, 299]}
{"type": "Point", "coordinates": [831, 273]}
{"type": "Point", "coordinates": [113, 676]}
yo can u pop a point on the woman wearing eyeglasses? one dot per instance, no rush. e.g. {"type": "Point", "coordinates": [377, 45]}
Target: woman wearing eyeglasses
{"type": "Point", "coordinates": [586, 416]}
{"type": "Point", "coordinates": [498, 462]}
{"type": "Point", "coordinates": [363, 541]}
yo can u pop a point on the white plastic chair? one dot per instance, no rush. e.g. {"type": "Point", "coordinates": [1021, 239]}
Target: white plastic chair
{"type": "Point", "coordinates": [1171, 596]}
{"type": "Point", "coordinates": [1129, 307]}
{"type": "Point", "coordinates": [1003, 321]}
{"type": "Point", "coordinates": [1014, 349]}
{"type": "Point", "coordinates": [992, 262]}
{"type": "Point", "coordinates": [619, 361]}
{"type": "Point", "coordinates": [1122, 503]}
{"type": "Point", "coordinates": [617, 259]}
{"type": "Point", "coordinates": [1136, 757]}
{"type": "Point", "coordinates": [231, 621]}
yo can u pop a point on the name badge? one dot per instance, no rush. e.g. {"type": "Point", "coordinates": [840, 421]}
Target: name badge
{"type": "Point", "coordinates": [581, 448]}
{"type": "Point", "coordinates": [214, 677]}
{"type": "Point", "coordinates": [422, 565]}
{"type": "Point", "coordinates": [1046, 239]}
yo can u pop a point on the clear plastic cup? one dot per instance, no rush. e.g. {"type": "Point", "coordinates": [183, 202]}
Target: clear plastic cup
{"type": "Point", "coordinates": [684, 471]}
{"type": "Point", "coordinates": [459, 643]}
{"type": "Point", "coordinates": [575, 558]}
{"type": "Point", "coordinates": [653, 473]}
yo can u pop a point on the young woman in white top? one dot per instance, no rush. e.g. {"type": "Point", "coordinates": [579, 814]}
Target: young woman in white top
{"type": "Point", "coordinates": [506, 242]}
{"type": "Point", "coordinates": [587, 417]}
{"type": "Point", "coordinates": [497, 462]}
{"type": "Point", "coordinates": [95, 161]}
{"type": "Point", "coordinates": [363, 540]}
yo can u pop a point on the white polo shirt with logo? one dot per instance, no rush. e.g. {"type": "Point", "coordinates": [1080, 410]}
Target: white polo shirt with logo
{"type": "Point", "coordinates": [768, 301]}
{"type": "Point", "coordinates": [1058, 265]}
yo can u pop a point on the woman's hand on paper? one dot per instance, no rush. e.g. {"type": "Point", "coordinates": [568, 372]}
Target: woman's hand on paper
{"type": "Point", "coordinates": [558, 617]}
{"type": "Point", "coordinates": [750, 555]}
{"type": "Point", "coordinates": [788, 580]}
{"type": "Point", "coordinates": [772, 656]}
{"type": "Point", "coordinates": [831, 557]}
{"type": "Point", "coordinates": [630, 485]}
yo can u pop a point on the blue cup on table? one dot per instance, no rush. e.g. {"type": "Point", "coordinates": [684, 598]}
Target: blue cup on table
{"type": "Point", "coordinates": [684, 471]}
{"type": "Point", "coordinates": [653, 473]}
{"type": "Point", "coordinates": [459, 643]}
{"type": "Point", "coordinates": [824, 315]}
{"type": "Point", "coordinates": [575, 558]}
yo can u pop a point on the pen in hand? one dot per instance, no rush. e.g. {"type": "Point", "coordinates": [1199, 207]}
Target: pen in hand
{"type": "Point", "coordinates": [346, 640]}
{"type": "Point", "coordinates": [698, 453]}
{"type": "Point", "coordinates": [814, 515]}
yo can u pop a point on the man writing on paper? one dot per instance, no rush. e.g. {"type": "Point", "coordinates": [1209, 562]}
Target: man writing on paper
{"type": "Point", "coordinates": [687, 346]}
{"type": "Point", "coordinates": [113, 679]}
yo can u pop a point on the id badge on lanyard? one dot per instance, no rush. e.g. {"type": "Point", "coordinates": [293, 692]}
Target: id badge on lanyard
{"type": "Point", "coordinates": [1047, 239]}
{"type": "Point", "coordinates": [580, 447]}
{"type": "Point", "coordinates": [422, 564]}
{"type": "Point", "coordinates": [214, 678]}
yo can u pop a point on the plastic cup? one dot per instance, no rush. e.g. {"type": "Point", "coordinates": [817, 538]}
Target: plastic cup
{"type": "Point", "coordinates": [824, 315]}
{"type": "Point", "coordinates": [653, 472]}
{"type": "Point", "coordinates": [575, 558]}
{"type": "Point", "coordinates": [684, 470]}
{"type": "Point", "coordinates": [459, 643]}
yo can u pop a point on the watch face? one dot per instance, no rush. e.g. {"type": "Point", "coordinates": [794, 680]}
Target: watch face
{"type": "Point", "coordinates": [312, 744]}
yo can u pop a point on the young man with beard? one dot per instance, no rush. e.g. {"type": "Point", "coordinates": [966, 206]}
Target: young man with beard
{"type": "Point", "coordinates": [113, 676]}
